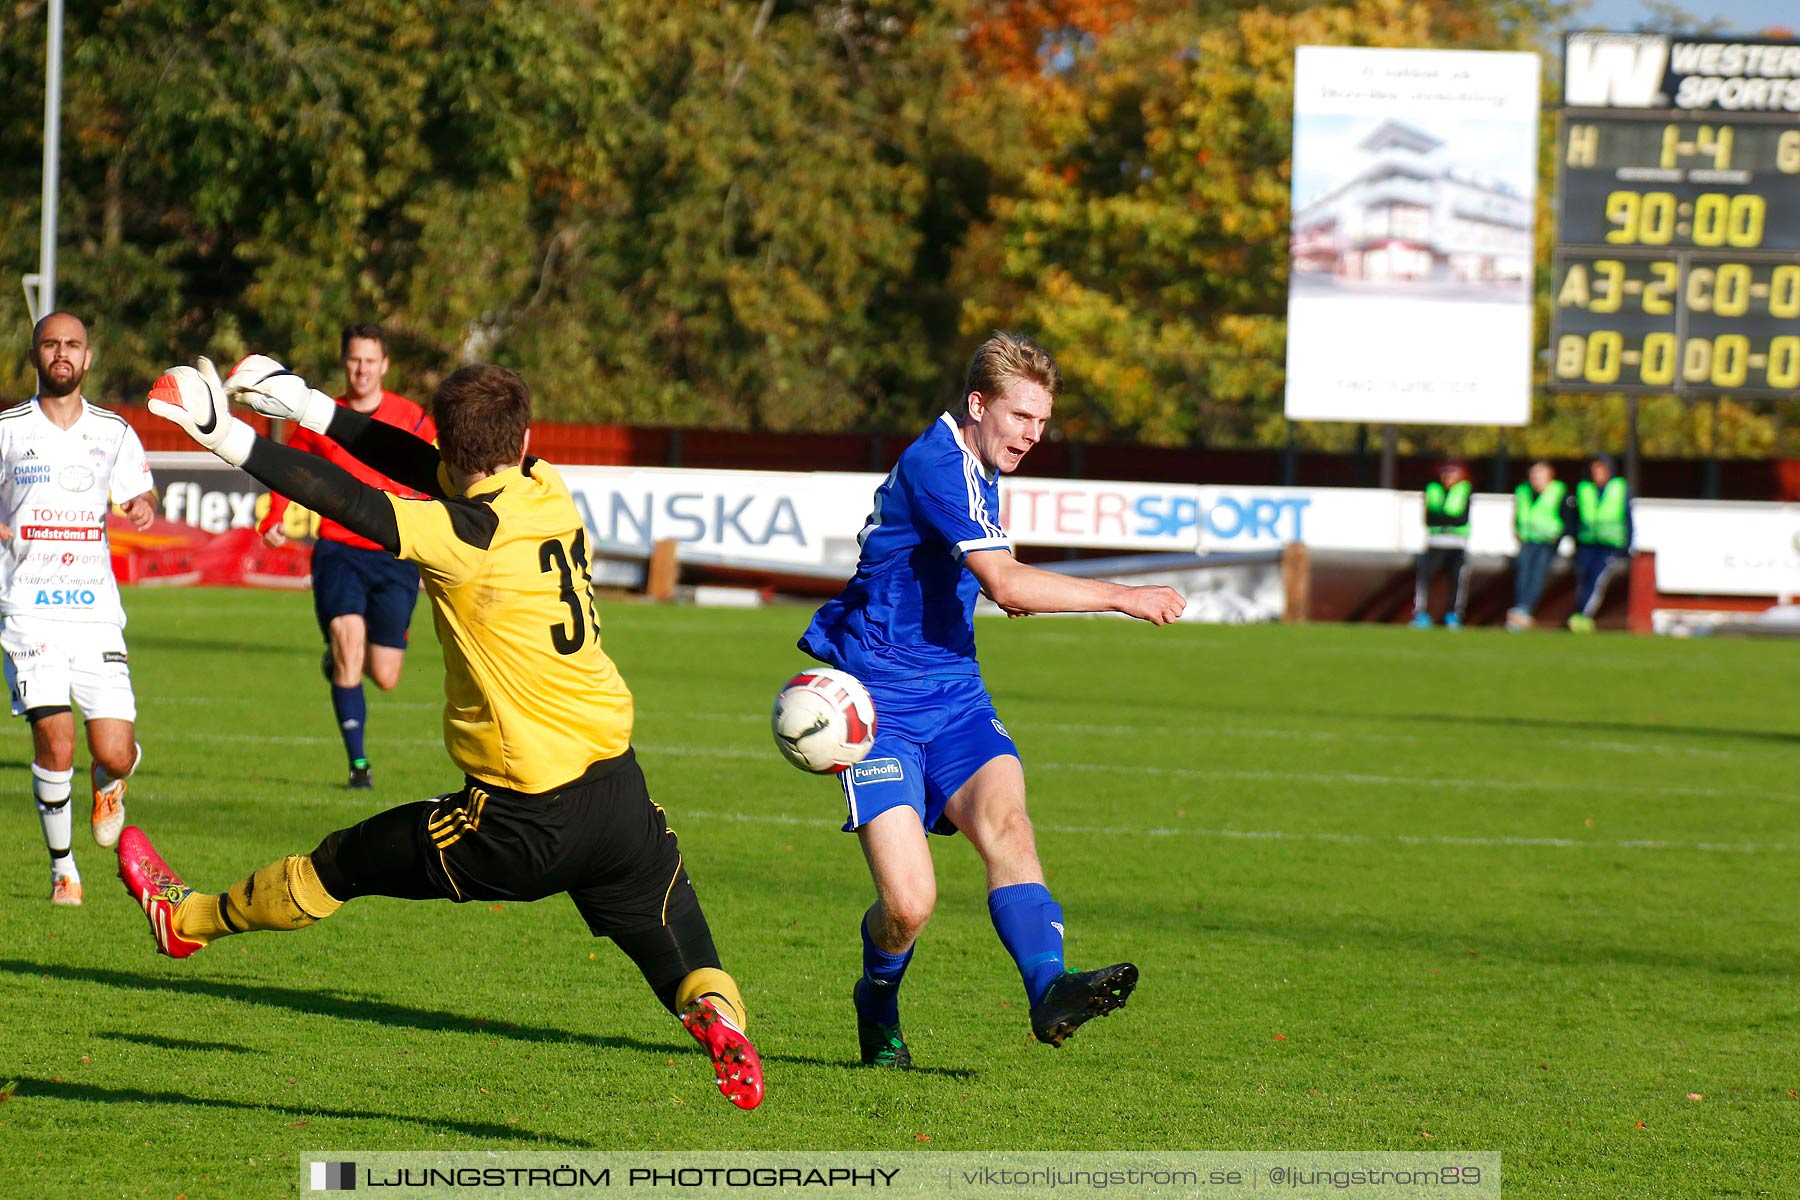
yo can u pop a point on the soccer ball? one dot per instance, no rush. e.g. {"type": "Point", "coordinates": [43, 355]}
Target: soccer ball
{"type": "Point", "coordinates": [824, 721]}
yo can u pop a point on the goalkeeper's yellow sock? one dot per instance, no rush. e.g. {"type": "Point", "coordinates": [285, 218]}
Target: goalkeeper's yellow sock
{"type": "Point", "coordinates": [286, 894]}
{"type": "Point", "coordinates": [717, 986]}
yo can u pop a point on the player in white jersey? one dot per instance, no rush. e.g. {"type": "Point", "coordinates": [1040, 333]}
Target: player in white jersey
{"type": "Point", "coordinates": [64, 634]}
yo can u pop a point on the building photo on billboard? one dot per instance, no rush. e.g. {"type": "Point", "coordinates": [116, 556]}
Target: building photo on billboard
{"type": "Point", "coordinates": [1405, 221]}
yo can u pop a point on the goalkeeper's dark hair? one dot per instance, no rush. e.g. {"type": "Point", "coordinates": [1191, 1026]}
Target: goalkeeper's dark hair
{"type": "Point", "coordinates": [482, 413]}
{"type": "Point", "coordinates": [361, 329]}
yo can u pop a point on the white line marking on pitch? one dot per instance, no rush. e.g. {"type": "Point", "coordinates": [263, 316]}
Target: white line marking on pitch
{"type": "Point", "coordinates": [1322, 778]}
{"type": "Point", "coordinates": [1365, 779]}
{"type": "Point", "coordinates": [1283, 733]}
{"type": "Point", "coordinates": [679, 813]}
{"type": "Point", "coordinates": [1351, 839]}
{"type": "Point", "coordinates": [238, 702]}
{"type": "Point", "coordinates": [1319, 778]}
{"type": "Point", "coordinates": [1275, 732]}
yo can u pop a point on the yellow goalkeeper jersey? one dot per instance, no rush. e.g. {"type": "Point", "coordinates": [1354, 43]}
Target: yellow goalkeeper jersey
{"type": "Point", "coordinates": [531, 700]}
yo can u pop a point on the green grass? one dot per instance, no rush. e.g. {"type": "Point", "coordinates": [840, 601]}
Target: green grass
{"type": "Point", "coordinates": [1389, 891]}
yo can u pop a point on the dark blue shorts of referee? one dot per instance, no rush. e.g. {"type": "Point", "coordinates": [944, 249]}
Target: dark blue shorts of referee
{"type": "Point", "coordinates": [371, 584]}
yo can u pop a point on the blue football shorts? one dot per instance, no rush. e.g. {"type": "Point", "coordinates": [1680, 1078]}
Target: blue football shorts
{"type": "Point", "coordinates": [931, 736]}
{"type": "Point", "coordinates": [371, 584]}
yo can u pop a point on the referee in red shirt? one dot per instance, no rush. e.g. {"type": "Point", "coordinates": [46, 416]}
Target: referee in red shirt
{"type": "Point", "coordinates": [363, 595]}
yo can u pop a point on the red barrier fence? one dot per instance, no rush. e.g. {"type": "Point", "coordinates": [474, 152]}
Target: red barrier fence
{"type": "Point", "coordinates": [619, 445]}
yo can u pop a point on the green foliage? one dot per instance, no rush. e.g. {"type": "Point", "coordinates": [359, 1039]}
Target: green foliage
{"type": "Point", "coordinates": [770, 182]}
{"type": "Point", "coordinates": [703, 214]}
{"type": "Point", "coordinates": [751, 214]}
{"type": "Point", "coordinates": [1152, 250]}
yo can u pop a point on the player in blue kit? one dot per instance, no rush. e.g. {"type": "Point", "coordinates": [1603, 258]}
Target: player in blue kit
{"type": "Point", "coordinates": [942, 761]}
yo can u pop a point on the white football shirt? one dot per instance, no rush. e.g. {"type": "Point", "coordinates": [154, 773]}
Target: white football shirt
{"type": "Point", "coordinates": [58, 565]}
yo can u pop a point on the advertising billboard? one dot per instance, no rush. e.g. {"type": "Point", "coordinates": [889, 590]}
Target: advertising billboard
{"type": "Point", "coordinates": [1414, 199]}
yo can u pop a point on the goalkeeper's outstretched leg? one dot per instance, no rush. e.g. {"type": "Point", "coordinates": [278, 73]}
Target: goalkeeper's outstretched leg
{"type": "Point", "coordinates": [486, 851]}
{"type": "Point", "coordinates": [286, 894]}
{"type": "Point", "coordinates": [379, 856]}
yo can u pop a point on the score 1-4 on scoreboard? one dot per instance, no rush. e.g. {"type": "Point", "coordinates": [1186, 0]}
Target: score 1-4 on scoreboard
{"type": "Point", "coordinates": [1677, 257]}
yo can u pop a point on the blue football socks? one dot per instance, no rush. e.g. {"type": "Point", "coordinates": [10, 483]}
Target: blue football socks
{"type": "Point", "coordinates": [878, 999]}
{"type": "Point", "coordinates": [352, 714]}
{"type": "Point", "coordinates": [1029, 923]}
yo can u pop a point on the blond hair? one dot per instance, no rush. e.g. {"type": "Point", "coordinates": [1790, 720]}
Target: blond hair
{"type": "Point", "coordinates": [1006, 357]}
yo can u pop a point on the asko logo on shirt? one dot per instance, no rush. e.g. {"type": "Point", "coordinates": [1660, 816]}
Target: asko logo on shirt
{"type": "Point", "coordinates": [54, 597]}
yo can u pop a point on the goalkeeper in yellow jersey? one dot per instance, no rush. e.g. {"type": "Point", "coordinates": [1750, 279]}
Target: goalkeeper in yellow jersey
{"type": "Point", "coordinates": [536, 715]}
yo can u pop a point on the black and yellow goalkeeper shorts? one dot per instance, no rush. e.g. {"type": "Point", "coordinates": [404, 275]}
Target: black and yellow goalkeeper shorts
{"type": "Point", "coordinates": [601, 839]}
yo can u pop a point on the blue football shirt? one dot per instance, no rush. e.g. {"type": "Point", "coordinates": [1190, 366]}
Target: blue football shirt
{"type": "Point", "coordinates": [909, 611]}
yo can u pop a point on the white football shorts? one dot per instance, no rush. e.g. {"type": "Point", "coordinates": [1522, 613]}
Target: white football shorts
{"type": "Point", "coordinates": [51, 663]}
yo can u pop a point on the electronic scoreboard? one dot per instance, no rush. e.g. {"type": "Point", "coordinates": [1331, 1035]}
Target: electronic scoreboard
{"type": "Point", "coordinates": [1677, 260]}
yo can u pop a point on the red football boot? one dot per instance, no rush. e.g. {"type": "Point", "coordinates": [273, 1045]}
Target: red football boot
{"type": "Point", "coordinates": [734, 1059]}
{"type": "Point", "coordinates": [157, 889]}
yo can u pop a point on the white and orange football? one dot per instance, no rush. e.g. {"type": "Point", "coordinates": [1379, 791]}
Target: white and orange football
{"type": "Point", "coordinates": [824, 720]}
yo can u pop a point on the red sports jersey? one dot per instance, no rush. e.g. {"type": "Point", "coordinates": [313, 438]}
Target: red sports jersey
{"type": "Point", "coordinates": [393, 410]}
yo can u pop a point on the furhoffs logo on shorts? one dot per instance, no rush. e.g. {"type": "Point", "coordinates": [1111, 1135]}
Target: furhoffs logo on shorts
{"type": "Point", "coordinates": [877, 770]}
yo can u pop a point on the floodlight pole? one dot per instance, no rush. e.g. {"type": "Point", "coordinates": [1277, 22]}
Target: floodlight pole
{"type": "Point", "coordinates": [46, 283]}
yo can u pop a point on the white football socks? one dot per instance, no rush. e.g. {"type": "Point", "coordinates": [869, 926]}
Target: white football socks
{"type": "Point", "coordinates": [52, 791]}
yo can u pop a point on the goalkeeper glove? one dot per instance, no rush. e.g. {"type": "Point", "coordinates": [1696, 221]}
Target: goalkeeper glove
{"type": "Point", "coordinates": [193, 398]}
{"type": "Point", "coordinates": [274, 391]}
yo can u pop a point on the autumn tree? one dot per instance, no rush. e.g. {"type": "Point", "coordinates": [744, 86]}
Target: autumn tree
{"type": "Point", "coordinates": [755, 214]}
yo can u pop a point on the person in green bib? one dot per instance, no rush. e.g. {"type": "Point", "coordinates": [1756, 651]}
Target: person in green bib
{"type": "Point", "coordinates": [1602, 538]}
{"type": "Point", "coordinates": [1539, 520]}
{"type": "Point", "coordinates": [1447, 500]}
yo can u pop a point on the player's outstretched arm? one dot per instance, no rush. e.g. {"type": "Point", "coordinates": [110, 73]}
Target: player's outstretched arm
{"type": "Point", "coordinates": [274, 391]}
{"type": "Point", "coordinates": [194, 399]}
{"type": "Point", "coordinates": [327, 489]}
{"type": "Point", "coordinates": [1020, 588]}
{"type": "Point", "coordinates": [403, 457]}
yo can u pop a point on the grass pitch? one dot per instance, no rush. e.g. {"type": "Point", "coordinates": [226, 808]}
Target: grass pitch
{"type": "Point", "coordinates": [1390, 890]}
